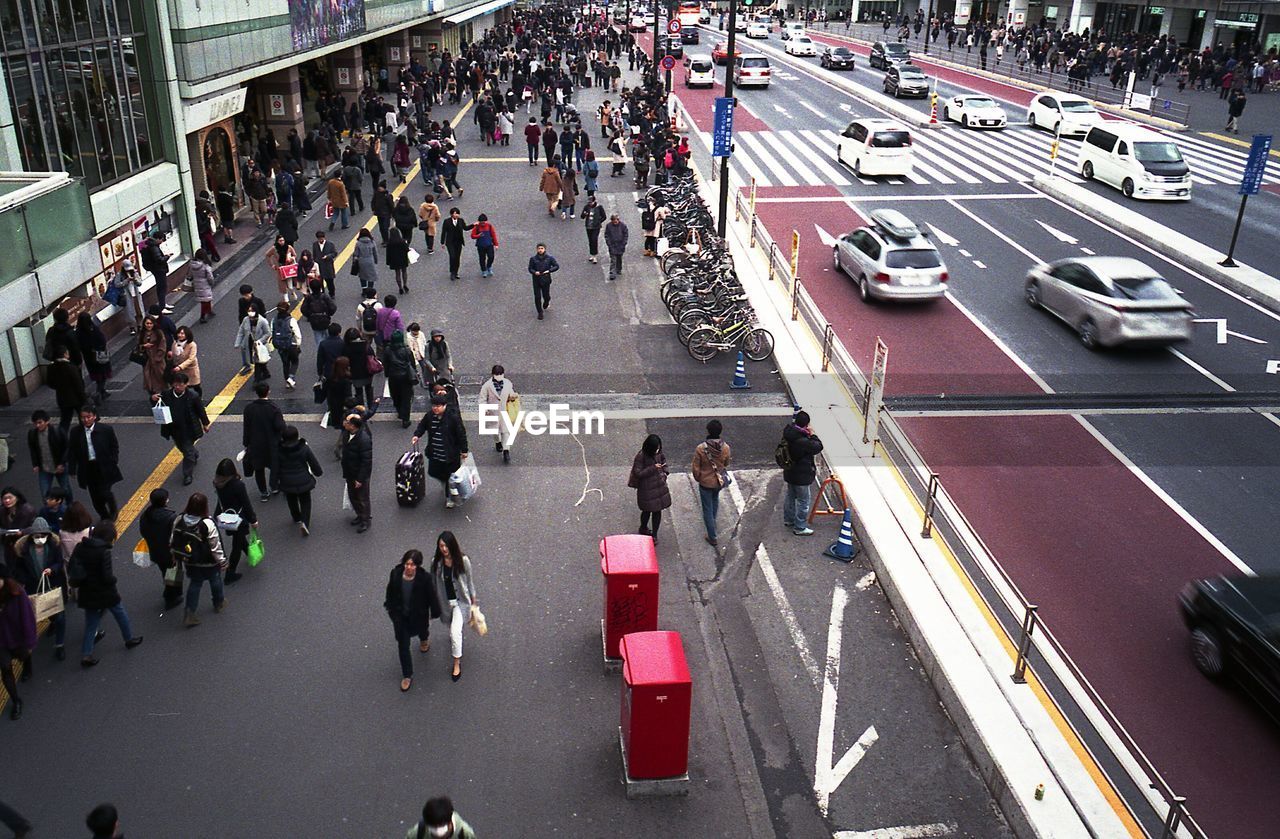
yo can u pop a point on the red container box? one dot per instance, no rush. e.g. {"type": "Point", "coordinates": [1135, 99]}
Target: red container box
{"type": "Point", "coordinates": [657, 696]}
{"type": "Point", "coordinates": [630, 567]}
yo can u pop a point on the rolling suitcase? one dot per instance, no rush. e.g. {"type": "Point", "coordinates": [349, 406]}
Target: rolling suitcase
{"type": "Point", "coordinates": [411, 478]}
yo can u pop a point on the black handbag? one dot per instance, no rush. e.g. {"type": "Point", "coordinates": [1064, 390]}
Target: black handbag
{"type": "Point", "coordinates": [137, 356]}
{"type": "Point", "coordinates": [318, 393]}
{"type": "Point", "coordinates": [355, 268]}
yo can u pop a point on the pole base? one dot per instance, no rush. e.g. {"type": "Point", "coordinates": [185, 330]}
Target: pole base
{"type": "Point", "coordinates": [1228, 263]}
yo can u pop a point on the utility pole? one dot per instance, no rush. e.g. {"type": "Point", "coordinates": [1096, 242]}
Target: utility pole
{"type": "Point", "coordinates": [928, 27]}
{"type": "Point", "coordinates": [653, 4]}
{"type": "Point", "coordinates": [723, 218]}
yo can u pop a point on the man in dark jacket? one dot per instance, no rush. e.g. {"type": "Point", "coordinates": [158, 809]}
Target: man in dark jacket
{"type": "Point", "coordinates": [353, 180]}
{"type": "Point", "coordinates": [615, 240]}
{"type": "Point", "coordinates": [326, 254]}
{"type": "Point", "coordinates": [328, 351]}
{"type": "Point", "coordinates": [383, 207]}
{"type": "Point", "coordinates": [453, 237]}
{"type": "Point", "coordinates": [446, 442]}
{"type": "Point", "coordinates": [318, 308]}
{"type": "Point", "coordinates": [47, 445]}
{"type": "Point", "coordinates": [188, 421]}
{"type": "Point", "coordinates": [93, 456]}
{"type": "Point", "coordinates": [263, 425]}
{"type": "Point", "coordinates": [541, 266]}
{"type": "Point", "coordinates": [67, 381]}
{"type": "Point", "coordinates": [803, 446]}
{"type": "Point", "coordinates": [287, 224]}
{"type": "Point", "coordinates": [62, 334]}
{"type": "Point", "coordinates": [156, 526]}
{"type": "Point", "coordinates": [357, 467]}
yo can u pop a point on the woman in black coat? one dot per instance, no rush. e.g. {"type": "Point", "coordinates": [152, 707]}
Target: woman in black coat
{"type": "Point", "coordinates": [156, 526]}
{"type": "Point", "coordinates": [412, 604]}
{"type": "Point", "coordinates": [649, 480]}
{"type": "Point", "coordinates": [405, 218]}
{"type": "Point", "coordinates": [356, 350]}
{"type": "Point", "coordinates": [298, 469]}
{"type": "Point", "coordinates": [232, 495]}
{"type": "Point", "coordinates": [95, 583]}
{"type": "Point", "coordinates": [93, 345]}
{"type": "Point", "coordinates": [398, 259]}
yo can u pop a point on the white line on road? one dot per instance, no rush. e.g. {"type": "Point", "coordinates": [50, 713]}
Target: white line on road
{"type": "Point", "coordinates": [914, 831]}
{"type": "Point", "coordinates": [944, 238]}
{"type": "Point", "coordinates": [1088, 251]}
{"type": "Point", "coordinates": [1058, 234]}
{"type": "Point", "coordinates": [965, 253]}
{"type": "Point", "coordinates": [980, 263]}
{"type": "Point", "coordinates": [867, 581]}
{"type": "Point", "coordinates": [788, 615]}
{"type": "Point", "coordinates": [827, 777]}
{"type": "Point", "coordinates": [822, 114]}
{"type": "Point", "coordinates": [896, 198]}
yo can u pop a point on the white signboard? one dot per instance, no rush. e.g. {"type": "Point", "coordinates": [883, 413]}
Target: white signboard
{"type": "Point", "coordinates": [205, 112]}
{"type": "Point", "coordinates": [276, 104]}
{"type": "Point", "coordinates": [344, 76]}
{"type": "Point", "coordinates": [393, 54]}
{"type": "Point", "coordinates": [963, 10]}
{"type": "Point", "coordinates": [878, 368]}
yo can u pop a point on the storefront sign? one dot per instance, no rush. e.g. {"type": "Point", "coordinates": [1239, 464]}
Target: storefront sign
{"type": "Point", "coordinates": [205, 112]}
{"type": "Point", "coordinates": [276, 104]}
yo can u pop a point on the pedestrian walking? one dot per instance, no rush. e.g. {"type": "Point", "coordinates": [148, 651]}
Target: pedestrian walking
{"type": "Point", "coordinates": [130, 285]}
{"type": "Point", "coordinates": [155, 525]}
{"type": "Point", "coordinates": [47, 446]}
{"type": "Point", "coordinates": [449, 163]}
{"type": "Point", "coordinates": [541, 266]}
{"type": "Point", "coordinates": [499, 391]}
{"type": "Point", "coordinates": [367, 314]}
{"type": "Point", "coordinates": [615, 240]}
{"type": "Point", "coordinates": [405, 218]}
{"type": "Point", "coordinates": [593, 218]}
{"type": "Point", "coordinates": [201, 278]}
{"type": "Point", "coordinates": [184, 357]}
{"type": "Point", "coordinates": [338, 392]}
{"type": "Point", "coordinates": [451, 236]}
{"type": "Point", "coordinates": [150, 350]}
{"type": "Point", "coordinates": [318, 308]}
{"type": "Point", "coordinates": [67, 382]}
{"type": "Point", "coordinates": [195, 543]}
{"type": "Point", "coordinates": [357, 352]}
{"type": "Point", "coordinates": [18, 637]}
{"type": "Point", "coordinates": [455, 583]}
{"type": "Point", "coordinates": [287, 340]}
{"type": "Point", "coordinates": [364, 260]}
{"type": "Point", "coordinates": [90, 573]}
{"type": "Point", "coordinates": [485, 235]}
{"type": "Point", "coordinates": [590, 172]}
{"type": "Point", "coordinates": [251, 339]}
{"type": "Point", "coordinates": [1235, 108]}
{"type": "Point", "coordinates": [188, 421]}
{"type": "Point", "coordinates": [353, 180]}
{"type": "Point", "coordinates": [399, 366]}
{"type": "Point", "coordinates": [326, 254]}
{"type": "Point", "coordinates": [93, 345]}
{"type": "Point", "coordinates": [298, 469]}
{"type": "Point", "coordinates": [233, 497]}
{"type": "Point", "coordinates": [439, 358]}
{"type": "Point", "coordinates": [282, 259]}
{"type": "Point", "coordinates": [550, 185]}
{"type": "Point", "coordinates": [93, 456]}
{"type": "Point", "coordinates": [387, 319]}
{"type": "Point", "coordinates": [796, 457]}
{"type": "Point", "coordinates": [411, 603]}
{"type": "Point", "coordinates": [41, 563]}
{"type": "Point", "coordinates": [446, 443]}
{"type": "Point", "coordinates": [339, 202]}
{"type": "Point", "coordinates": [398, 259]}
{"type": "Point", "coordinates": [428, 220]}
{"type": "Point", "coordinates": [261, 429]}
{"type": "Point", "coordinates": [649, 480]}
{"type": "Point", "coordinates": [357, 467]}
{"type": "Point", "coordinates": [532, 136]}
{"type": "Point", "coordinates": [440, 822]}
{"type": "Point", "coordinates": [711, 473]}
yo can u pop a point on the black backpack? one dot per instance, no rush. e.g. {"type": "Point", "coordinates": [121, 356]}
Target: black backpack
{"type": "Point", "coordinates": [782, 455]}
{"type": "Point", "coordinates": [190, 544]}
{"type": "Point", "coordinates": [282, 333]}
{"type": "Point", "coordinates": [648, 220]}
{"type": "Point", "coordinates": [369, 319]}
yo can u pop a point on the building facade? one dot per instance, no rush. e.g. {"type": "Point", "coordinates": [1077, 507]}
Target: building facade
{"type": "Point", "coordinates": [115, 114]}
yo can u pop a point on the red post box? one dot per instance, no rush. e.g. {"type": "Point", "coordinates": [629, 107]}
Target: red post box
{"type": "Point", "coordinates": [630, 567]}
{"type": "Point", "coordinates": [656, 699]}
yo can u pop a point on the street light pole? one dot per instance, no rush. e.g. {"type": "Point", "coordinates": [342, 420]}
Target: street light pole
{"type": "Point", "coordinates": [723, 218]}
{"type": "Point", "coordinates": [653, 4]}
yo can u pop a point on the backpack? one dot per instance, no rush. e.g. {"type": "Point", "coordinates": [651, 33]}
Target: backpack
{"type": "Point", "coordinates": [782, 455]}
{"type": "Point", "coordinates": [190, 545]}
{"type": "Point", "coordinates": [485, 239]}
{"type": "Point", "coordinates": [647, 220]}
{"type": "Point", "coordinates": [77, 574]}
{"type": "Point", "coordinates": [369, 319]}
{"type": "Point", "coordinates": [281, 333]}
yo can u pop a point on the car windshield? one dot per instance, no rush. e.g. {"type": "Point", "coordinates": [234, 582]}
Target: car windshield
{"type": "Point", "coordinates": [1076, 106]}
{"type": "Point", "coordinates": [890, 139]}
{"type": "Point", "coordinates": [803, 41]}
{"type": "Point", "coordinates": [700, 66]}
{"type": "Point", "coordinates": [1144, 288]}
{"type": "Point", "coordinates": [895, 49]}
{"type": "Point", "coordinates": [979, 102]}
{"type": "Point", "coordinates": [755, 62]}
{"type": "Point", "coordinates": [841, 51]}
{"type": "Point", "coordinates": [910, 73]}
{"type": "Point", "coordinates": [1157, 153]}
{"type": "Point", "coordinates": [914, 258]}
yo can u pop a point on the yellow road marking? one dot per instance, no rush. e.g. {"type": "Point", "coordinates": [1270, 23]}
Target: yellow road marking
{"type": "Point", "coordinates": [1235, 141]}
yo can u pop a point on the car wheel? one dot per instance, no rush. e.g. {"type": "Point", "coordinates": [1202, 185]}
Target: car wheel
{"type": "Point", "coordinates": [857, 168]}
{"type": "Point", "coordinates": [1057, 126]}
{"type": "Point", "coordinates": [946, 114]}
{"type": "Point", "coordinates": [1087, 170]}
{"type": "Point", "coordinates": [1033, 295]}
{"type": "Point", "coordinates": [864, 290]}
{"type": "Point", "coordinates": [835, 259]}
{"type": "Point", "coordinates": [965, 121]}
{"type": "Point", "coordinates": [1031, 119]}
{"type": "Point", "coordinates": [1127, 187]}
{"type": "Point", "coordinates": [1088, 334]}
{"type": "Point", "coordinates": [1206, 652]}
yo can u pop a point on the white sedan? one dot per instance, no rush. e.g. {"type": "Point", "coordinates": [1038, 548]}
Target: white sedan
{"type": "Point", "coordinates": [801, 45]}
{"type": "Point", "coordinates": [757, 30]}
{"type": "Point", "coordinates": [975, 112]}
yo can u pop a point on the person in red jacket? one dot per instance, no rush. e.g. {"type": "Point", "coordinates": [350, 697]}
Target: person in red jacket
{"type": "Point", "coordinates": [532, 137]}
{"type": "Point", "coordinates": [486, 239]}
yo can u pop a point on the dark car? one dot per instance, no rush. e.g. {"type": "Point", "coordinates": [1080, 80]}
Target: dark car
{"type": "Point", "coordinates": [905, 80]}
{"type": "Point", "coordinates": [1235, 631]}
{"type": "Point", "coordinates": [671, 46]}
{"type": "Point", "coordinates": [836, 58]}
{"type": "Point", "coordinates": [689, 36]}
{"type": "Point", "coordinates": [885, 54]}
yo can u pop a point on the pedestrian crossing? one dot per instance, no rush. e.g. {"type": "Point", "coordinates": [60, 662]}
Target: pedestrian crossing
{"type": "Point", "coordinates": [955, 156]}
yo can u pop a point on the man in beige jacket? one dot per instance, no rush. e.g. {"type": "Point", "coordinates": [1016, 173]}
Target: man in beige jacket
{"type": "Point", "coordinates": [711, 471]}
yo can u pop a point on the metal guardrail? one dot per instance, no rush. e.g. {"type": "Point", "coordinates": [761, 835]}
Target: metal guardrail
{"type": "Point", "coordinates": [1036, 648]}
{"type": "Point", "coordinates": [1097, 88]}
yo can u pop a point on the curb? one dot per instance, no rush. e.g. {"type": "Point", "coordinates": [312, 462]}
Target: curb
{"type": "Point", "coordinates": [1248, 282]}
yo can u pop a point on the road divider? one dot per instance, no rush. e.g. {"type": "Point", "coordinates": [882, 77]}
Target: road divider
{"type": "Point", "coordinates": [1259, 287]}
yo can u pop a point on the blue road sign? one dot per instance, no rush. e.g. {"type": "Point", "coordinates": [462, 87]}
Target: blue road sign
{"type": "Point", "coordinates": [722, 129]}
{"type": "Point", "coordinates": [1256, 166]}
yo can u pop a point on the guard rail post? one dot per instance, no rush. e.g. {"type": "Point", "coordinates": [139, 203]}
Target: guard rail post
{"type": "Point", "coordinates": [1024, 645]}
{"type": "Point", "coordinates": [1173, 821]}
{"type": "Point", "coordinates": [828, 334]}
{"type": "Point", "coordinates": [931, 494]}
{"type": "Point", "coordinates": [795, 298]}
{"type": "Point", "coordinates": [773, 247]}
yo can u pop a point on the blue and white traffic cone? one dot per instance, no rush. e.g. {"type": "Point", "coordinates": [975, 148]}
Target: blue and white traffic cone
{"type": "Point", "coordinates": [842, 548]}
{"type": "Point", "coordinates": [740, 375]}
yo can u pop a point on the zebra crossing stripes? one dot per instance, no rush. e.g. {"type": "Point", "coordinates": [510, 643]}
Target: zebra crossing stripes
{"type": "Point", "coordinates": [956, 156]}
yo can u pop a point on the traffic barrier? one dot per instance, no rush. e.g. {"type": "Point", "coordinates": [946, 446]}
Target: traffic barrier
{"type": "Point", "coordinates": [740, 375]}
{"type": "Point", "coordinates": [843, 547]}
{"type": "Point", "coordinates": [629, 564]}
{"type": "Point", "coordinates": [933, 109]}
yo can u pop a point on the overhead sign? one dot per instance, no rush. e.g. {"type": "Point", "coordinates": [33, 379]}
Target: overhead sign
{"type": "Point", "coordinates": [673, 26]}
{"type": "Point", "coordinates": [668, 61]}
{"type": "Point", "coordinates": [1256, 166]}
{"type": "Point", "coordinates": [722, 127]}
{"type": "Point", "coordinates": [205, 112]}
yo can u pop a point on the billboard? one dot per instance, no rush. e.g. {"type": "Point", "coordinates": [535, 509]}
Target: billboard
{"type": "Point", "coordinates": [315, 23]}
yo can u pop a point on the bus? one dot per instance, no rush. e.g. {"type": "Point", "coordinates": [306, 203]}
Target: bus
{"type": "Point", "coordinates": [687, 14]}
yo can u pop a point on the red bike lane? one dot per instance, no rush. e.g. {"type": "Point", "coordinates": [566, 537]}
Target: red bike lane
{"type": "Point", "coordinates": [1080, 534]}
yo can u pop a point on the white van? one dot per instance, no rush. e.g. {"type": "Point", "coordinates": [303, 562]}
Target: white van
{"type": "Point", "coordinates": [792, 29]}
{"type": "Point", "coordinates": [751, 69]}
{"type": "Point", "coordinates": [876, 147]}
{"type": "Point", "coordinates": [1136, 160]}
{"type": "Point", "coordinates": [698, 70]}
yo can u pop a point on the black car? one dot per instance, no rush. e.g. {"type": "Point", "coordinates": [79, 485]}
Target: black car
{"type": "Point", "coordinates": [670, 46]}
{"type": "Point", "coordinates": [1235, 631]}
{"type": "Point", "coordinates": [689, 35]}
{"type": "Point", "coordinates": [885, 54]}
{"type": "Point", "coordinates": [905, 80]}
{"type": "Point", "coordinates": [836, 58]}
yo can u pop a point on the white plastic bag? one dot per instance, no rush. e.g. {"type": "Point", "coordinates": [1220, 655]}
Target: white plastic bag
{"type": "Point", "coordinates": [161, 414]}
{"type": "Point", "coordinates": [413, 256]}
{"type": "Point", "coordinates": [466, 480]}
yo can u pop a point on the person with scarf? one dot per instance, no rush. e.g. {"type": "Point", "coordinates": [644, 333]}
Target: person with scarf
{"type": "Point", "coordinates": [498, 390]}
{"type": "Point", "coordinates": [279, 255]}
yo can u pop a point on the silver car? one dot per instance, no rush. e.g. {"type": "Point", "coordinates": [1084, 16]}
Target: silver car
{"type": "Point", "coordinates": [1110, 300]}
{"type": "Point", "coordinates": [891, 260]}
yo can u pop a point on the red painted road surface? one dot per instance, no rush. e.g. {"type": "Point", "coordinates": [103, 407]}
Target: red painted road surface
{"type": "Point", "coordinates": [1078, 532]}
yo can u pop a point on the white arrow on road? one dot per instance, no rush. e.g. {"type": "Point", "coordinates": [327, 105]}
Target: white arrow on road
{"type": "Point", "coordinates": [782, 111]}
{"type": "Point", "coordinates": [828, 776]}
{"type": "Point", "coordinates": [909, 831]}
{"type": "Point", "coordinates": [845, 106]}
{"type": "Point", "coordinates": [944, 238]}
{"type": "Point", "coordinates": [824, 237]}
{"type": "Point", "coordinates": [1058, 234]}
{"type": "Point", "coordinates": [1273, 367]}
{"type": "Point", "coordinates": [1223, 332]}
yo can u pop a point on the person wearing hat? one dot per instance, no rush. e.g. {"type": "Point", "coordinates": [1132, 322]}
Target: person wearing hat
{"type": "Point", "coordinates": [615, 240]}
{"type": "Point", "coordinates": [439, 821]}
{"type": "Point", "coordinates": [39, 557]}
{"type": "Point", "coordinates": [446, 442]}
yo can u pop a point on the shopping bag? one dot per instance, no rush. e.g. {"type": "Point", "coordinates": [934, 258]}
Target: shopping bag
{"type": "Point", "coordinates": [161, 414]}
{"type": "Point", "coordinates": [414, 256]}
{"type": "Point", "coordinates": [478, 621]}
{"type": "Point", "coordinates": [256, 551]}
{"type": "Point", "coordinates": [513, 408]}
{"type": "Point", "coordinates": [47, 601]}
{"type": "Point", "coordinates": [261, 353]}
{"type": "Point", "coordinates": [346, 498]}
{"type": "Point", "coordinates": [173, 575]}
{"type": "Point", "coordinates": [328, 209]}
{"type": "Point", "coordinates": [466, 480]}
{"type": "Point", "coordinates": [324, 420]}
{"type": "Point", "coordinates": [142, 554]}
{"type": "Point", "coordinates": [229, 521]}
{"type": "Point", "coordinates": [318, 393]}
{"type": "Point", "coordinates": [289, 272]}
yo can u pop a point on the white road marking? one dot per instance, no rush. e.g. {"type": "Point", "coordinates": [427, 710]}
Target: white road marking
{"type": "Point", "coordinates": [914, 831]}
{"type": "Point", "coordinates": [822, 114]}
{"type": "Point", "coordinates": [1223, 332]}
{"type": "Point", "coordinates": [1273, 367]}
{"type": "Point", "coordinates": [788, 614]}
{"type": "Point", "coordinates": [782, 111]}
{"type": "Point", "coordinates": [827, 777]}
{"type": "Point", "coordinates": [823, 236]}
{"type": "Point", "coordinates": [965, 253]}
{"type": "Point", "coordinates": [979, 263]}
{"type": "Point", "coordinates": [944, 238]}
{"type": "Point", "coordinates": [867, 581]}
{"type": "Point", "coordinates": [1058, 234]}
{"type": "Point", "coordinates": [1087, 250]}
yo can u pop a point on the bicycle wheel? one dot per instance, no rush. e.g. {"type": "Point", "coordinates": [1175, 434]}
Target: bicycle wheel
{"type": "Point", "coordinates": [672, 258]}
{"type": "Point", "coordinates": [758, 344]}
{"type": "Point", "coordinates": [702, 344]}
{"type": "Point", "coordinates": [689, 322]}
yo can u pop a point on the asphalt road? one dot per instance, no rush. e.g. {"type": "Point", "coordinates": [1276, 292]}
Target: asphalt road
{"type": "Point", "coordinates": [243, 725]}
{"type": "Point", "coordinates": [1100, 522]}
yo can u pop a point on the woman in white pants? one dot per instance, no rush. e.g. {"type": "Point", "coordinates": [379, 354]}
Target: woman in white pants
{"type": "Point", "coordinates": [456, 588]}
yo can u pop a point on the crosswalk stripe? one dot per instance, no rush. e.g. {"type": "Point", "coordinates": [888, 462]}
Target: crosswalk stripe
{"type": "Point", "coordinates": [766, 158]}
{"type": "Point", "coordinates": [1028, 165]}
{"type": "Point", "coordinates": [831, 169]}
{"type": "Point", "coordinates": [942, 156]}
{"type": "Point", "coordinates": [789, 155]}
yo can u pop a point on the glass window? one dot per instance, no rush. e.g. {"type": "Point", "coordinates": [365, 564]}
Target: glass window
{"type": "Point", "coordinates": [913, 258]}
